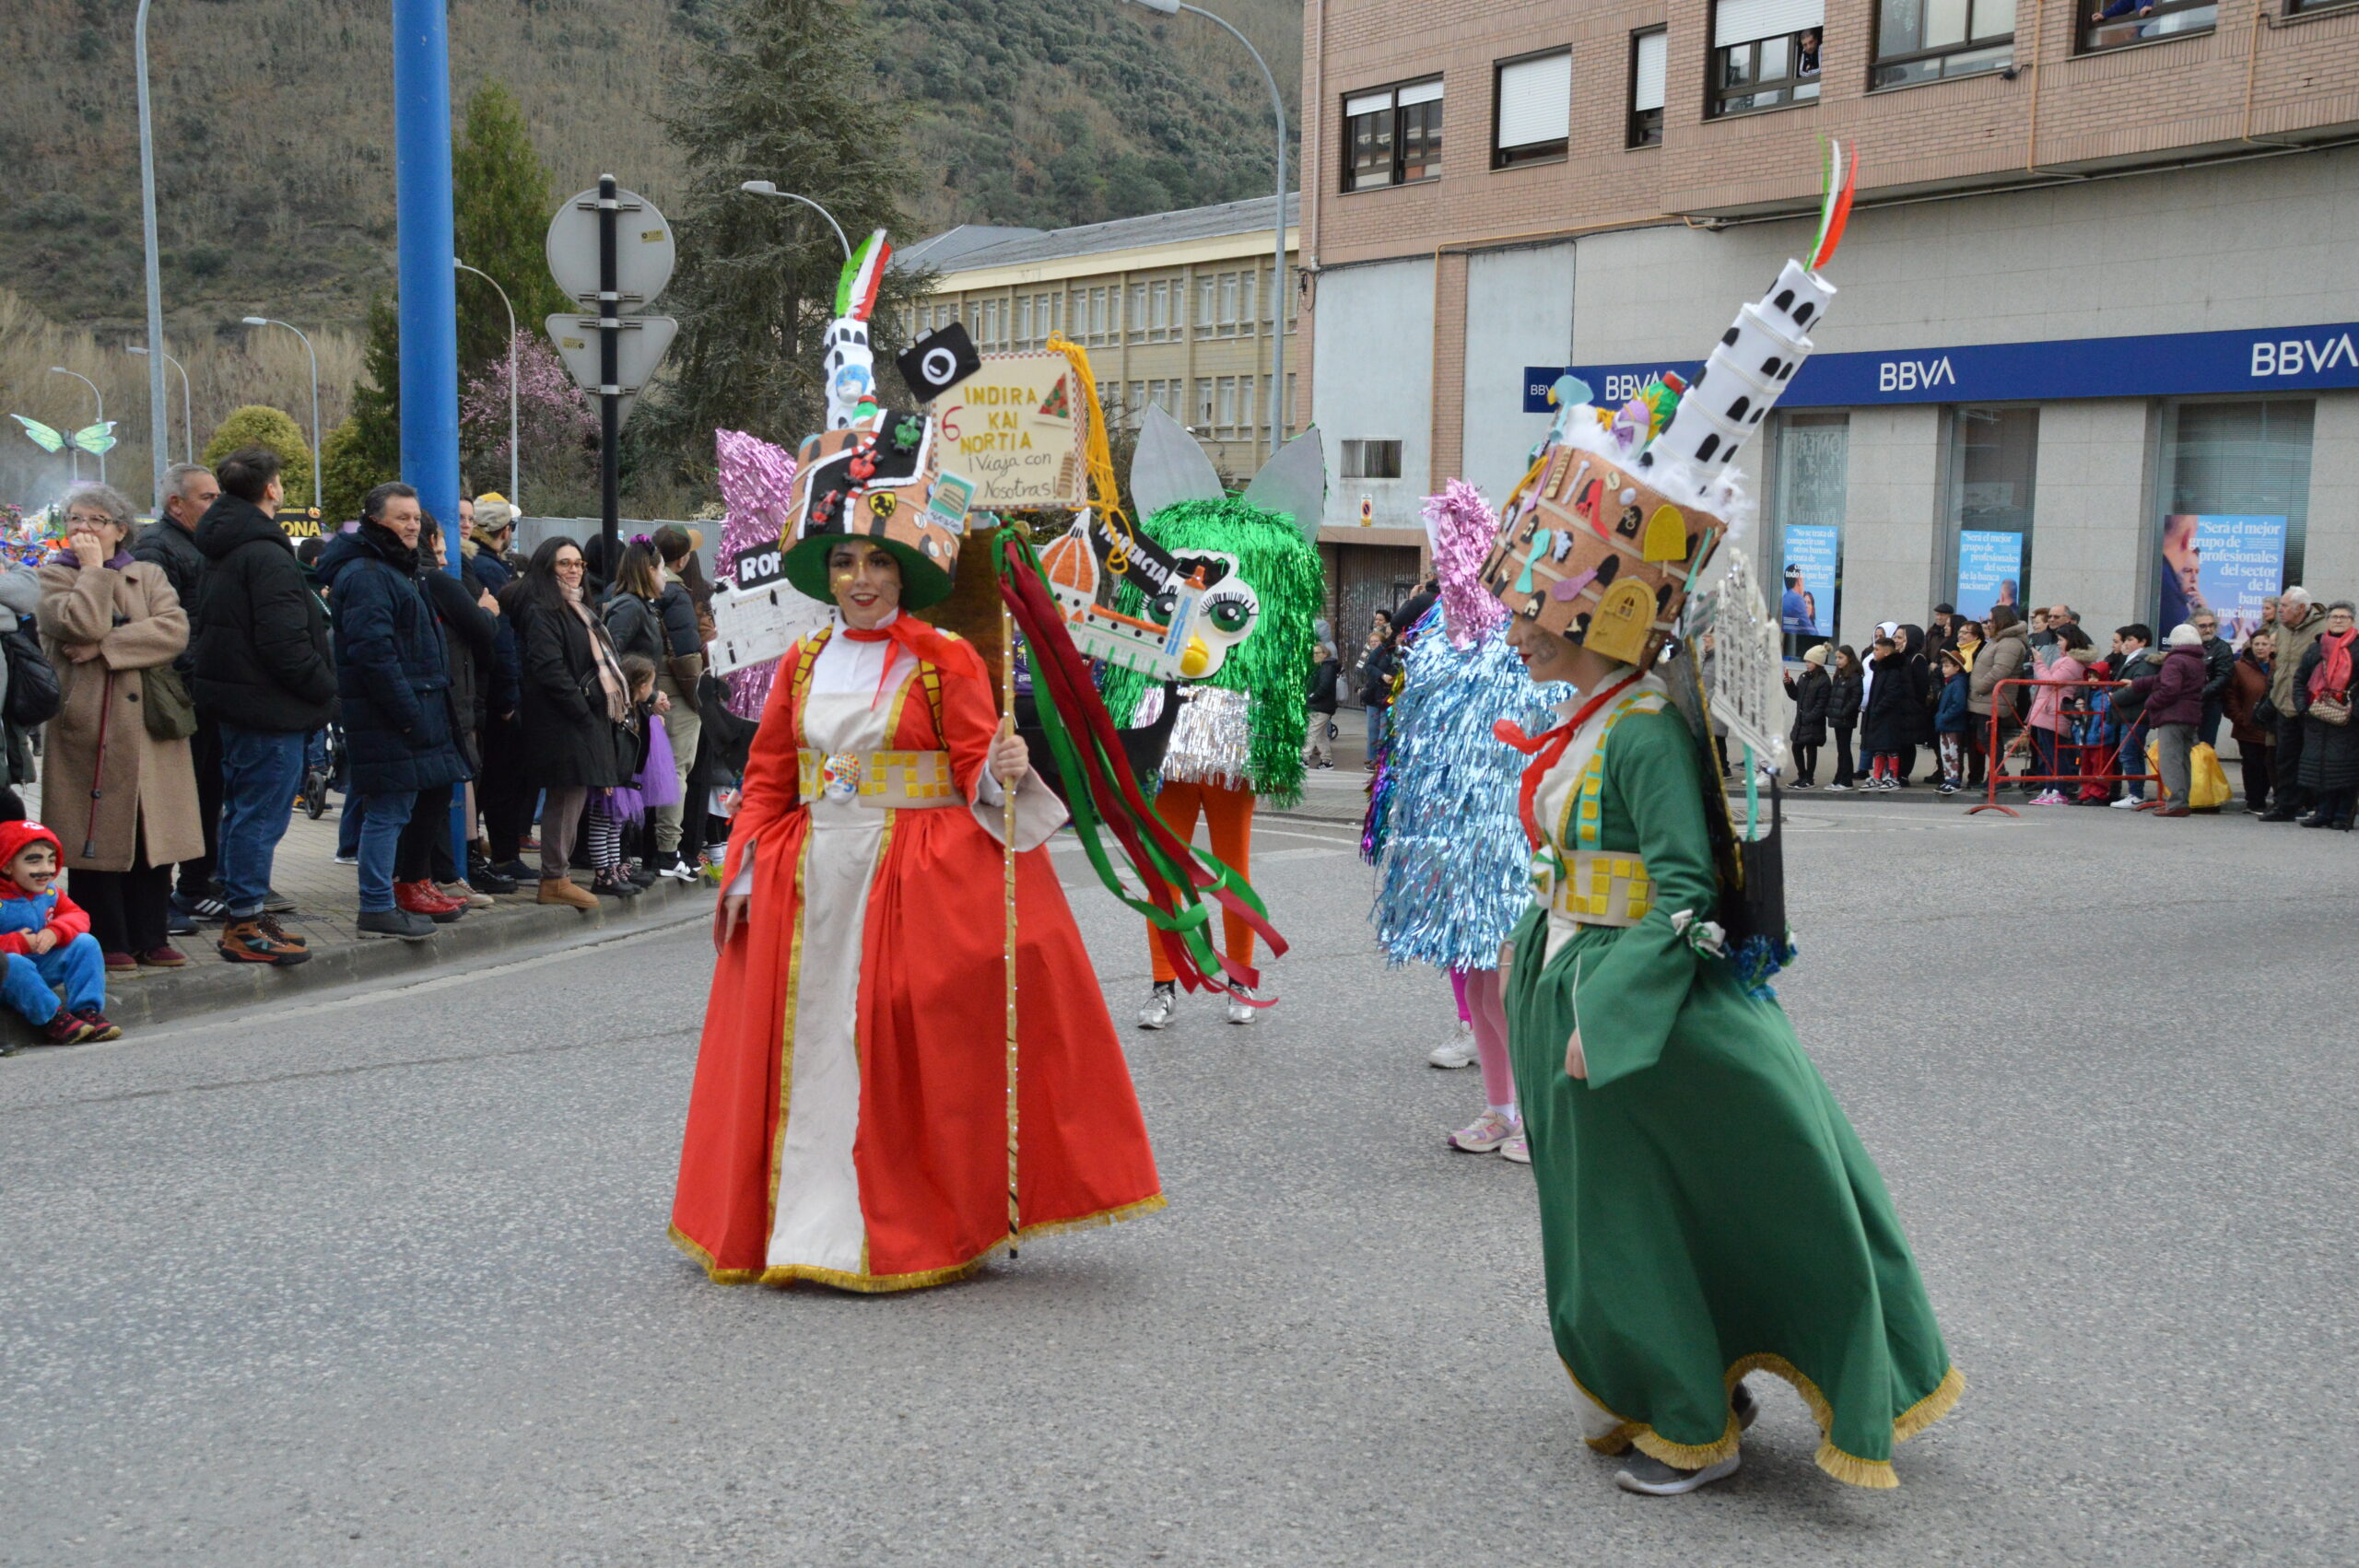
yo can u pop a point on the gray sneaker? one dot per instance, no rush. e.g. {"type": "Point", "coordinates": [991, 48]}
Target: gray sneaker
{"type": "Point", "coordinates": [394, 922]}
{"type": "Point", "coordinates": [1161, 1002]}
{"type": "Point", "coordinates": [1650, 1477]}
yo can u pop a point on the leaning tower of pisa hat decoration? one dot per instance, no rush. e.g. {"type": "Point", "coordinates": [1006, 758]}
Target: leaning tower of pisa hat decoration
{"type": "Point", "coordinates": [1606, 534]}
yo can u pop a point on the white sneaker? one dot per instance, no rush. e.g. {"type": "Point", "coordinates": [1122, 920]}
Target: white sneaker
{"type": "Point", "coordinates": [1517, 1149]}
{"type": "Point", "coordinates": [1484, 1133]}
{"type": "Point", "coordinates": [1161, 1002]}
{"type": "Point", "coordinates": [1649, 1476]}
{"type": "Point", "coordinates": [1456, 1051]}
{"type": "Point", "coordinates": [1239, 1011]}
{"type": "Point", "coordinates": [2127, 803]}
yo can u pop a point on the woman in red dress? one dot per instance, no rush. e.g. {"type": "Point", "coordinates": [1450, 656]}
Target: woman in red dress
{"type": "Point", "coordinates": [849, 1123]}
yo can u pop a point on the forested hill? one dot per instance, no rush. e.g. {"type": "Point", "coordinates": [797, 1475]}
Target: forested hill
{"type": "Point", "coordinates": [275, 123]}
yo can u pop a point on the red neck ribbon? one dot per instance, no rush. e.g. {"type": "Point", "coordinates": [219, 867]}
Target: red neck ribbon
{"type": "Point", "coordinates": [955, 659]}
{"type": "Point", "coordinates": [1547, 748]}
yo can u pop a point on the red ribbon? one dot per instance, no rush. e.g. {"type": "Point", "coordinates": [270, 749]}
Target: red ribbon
{"type": "Point", "coordinates": [1547, 749]}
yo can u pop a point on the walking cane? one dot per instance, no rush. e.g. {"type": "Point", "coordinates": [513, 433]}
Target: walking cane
{"type": "Point", "coordinates": [1008, 838]}
{"type": "Point", "coordinates": [99, 770]}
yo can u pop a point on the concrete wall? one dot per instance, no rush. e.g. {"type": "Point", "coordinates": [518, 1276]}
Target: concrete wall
{"type": "Point", "coordinates": [1518, 312]}
{"type": "Point", "coordinates": [2093, 512]}
{"type": "Point", "coordinates": [1374, 382]}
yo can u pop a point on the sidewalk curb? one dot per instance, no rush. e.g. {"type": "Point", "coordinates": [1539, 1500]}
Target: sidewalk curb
{"type": "Point", "coordinates": [211, 983]}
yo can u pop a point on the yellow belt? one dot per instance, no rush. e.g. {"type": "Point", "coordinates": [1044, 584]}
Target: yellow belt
{"type": "Point", "coordinates": [885, 780]}
{"type": "Point", "coordinates": [1594, 887]}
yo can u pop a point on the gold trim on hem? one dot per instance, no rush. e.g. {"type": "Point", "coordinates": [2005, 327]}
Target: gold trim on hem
{"type": "Point", "coordinates": [880, 1284]}
{"type": "Point", "coordinates": [1876, 1475]}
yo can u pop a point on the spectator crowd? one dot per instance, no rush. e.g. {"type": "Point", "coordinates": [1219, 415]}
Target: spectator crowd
{"type": "Point", "coordinates": [184, 684]}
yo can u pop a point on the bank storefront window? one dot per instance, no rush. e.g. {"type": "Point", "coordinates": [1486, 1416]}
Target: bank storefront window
{"type": "Point", "coordinates": [1814, 470]}
{"type": "Point", "coordinates": [1994, 457]}
{"type": "Point", "coordinates": [2235, 515]}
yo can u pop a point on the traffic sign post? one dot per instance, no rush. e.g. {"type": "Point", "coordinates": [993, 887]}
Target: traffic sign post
{"type": "Point", "coordinates": [611, 249]}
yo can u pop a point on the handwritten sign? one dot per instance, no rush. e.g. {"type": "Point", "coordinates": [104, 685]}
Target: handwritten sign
{"type": "Point", "coordinates": [1015, 429]}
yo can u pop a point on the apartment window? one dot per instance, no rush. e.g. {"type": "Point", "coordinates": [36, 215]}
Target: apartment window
{"type": "Point", "coordinates": [1289, 411]}
{"type": "Point", "coordinates": [1649, 54]}
{"type": "Point", "coordinates": [1393, 136]}
{"type": "Point", "coordinates": [1204, 403]}
{"type": "Point", "coordinates": [1229, 304]}
{"type": "Point", "coordinates": [1158, 311]}
{"type": "Point", "coordinates": [1135, 404]}
{"type": "Point", "coordinates": [2120, 23]}
{"type": "Point", "coordinates": [1244, 406]}
{"type": "Point", "coordinates": [1994, 464]}
{"type": "Point", "coordinates": [1225, 405]}
{"type": "Point", "coordinates": [1532, 108]}
{"type": "Point", "coordinates": [1247, 285]}
{"type": "Point", "coordinates": [1138, 312]}
{"type": "Point", "coordinates": [1923, 40]}
{"type": "Point", "coordinates": [1023, 322]}
{"type": "Point", "coordinates": [1206, 311]}
{"type": "Point", "coordinates": [1369, 460]}
{"type": "Point", "coordinates": [1765, 54]}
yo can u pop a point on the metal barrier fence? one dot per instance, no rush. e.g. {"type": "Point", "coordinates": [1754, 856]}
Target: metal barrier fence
{"type": "Point", "coordinates": [2097, 765]}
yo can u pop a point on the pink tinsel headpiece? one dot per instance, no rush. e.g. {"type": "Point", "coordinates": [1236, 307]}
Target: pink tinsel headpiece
{"type": "Point", "coordinates": [1461, 528]}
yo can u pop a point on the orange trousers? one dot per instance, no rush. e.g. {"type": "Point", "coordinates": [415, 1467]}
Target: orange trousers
{"type": "Point", "coordinates": [1229, 817]}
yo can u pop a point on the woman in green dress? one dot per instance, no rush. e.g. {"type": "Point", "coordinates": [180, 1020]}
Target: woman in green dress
{"type": "Point", "coordinates": [1706, 1211]}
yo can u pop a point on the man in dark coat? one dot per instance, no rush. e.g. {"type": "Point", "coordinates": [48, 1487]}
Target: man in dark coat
{"type": "Point", "coordinates": [2219, 670]}
{"type": "Point", "coordinates": [395, 687]}
{"type": "Point", "coordinates": [169, 542]}
{"type": "Point", "coordinates": [265, 678]}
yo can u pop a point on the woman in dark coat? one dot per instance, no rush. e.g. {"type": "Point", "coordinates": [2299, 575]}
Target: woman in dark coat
{"type": "Point", "coordinates": [2254, 726]}
{"type": "Point", "coordinates": [2330, 763]}
{"type": "Point", "coordinates": [1929, 688]}
{"type": "Point", "coordinates": [574, 701]}
{"type": "Point", "coordinates": [400, 737]}
{"type": "Point", "coordinates": [1813, 694]}
{"type": "Point", "coordinates": [1843, 713]}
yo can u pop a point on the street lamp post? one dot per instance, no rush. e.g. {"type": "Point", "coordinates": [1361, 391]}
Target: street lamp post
{"type": "Point", "coordinates": [1278, 398]}
{"type": "Point", "coordinates": [765, 188]}
{"type": "Point", "coordinates": [515, 487]}
{"type": "Point", "coordinates": [100, 419]}
{"type": "Point", "coordinates": [158, 426]}
{"type": "Point", "coordinates": [269, 322]}
{"type": "Point", "coordinates": [188, 440]}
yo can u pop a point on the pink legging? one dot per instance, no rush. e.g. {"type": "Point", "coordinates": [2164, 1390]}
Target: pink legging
{"type": "Point", "coordinates": [1480, 1007]}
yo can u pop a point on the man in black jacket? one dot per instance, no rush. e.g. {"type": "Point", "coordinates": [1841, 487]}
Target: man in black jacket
{"type": "Point", "coordinates": [170, 541]}
{"type": "Point", "coordinates": [265, 676]}
{"type": "Point", "coordinates": [2219, 669]}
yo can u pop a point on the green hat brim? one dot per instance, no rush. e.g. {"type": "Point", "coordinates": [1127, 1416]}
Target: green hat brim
{"type": "Point", "coordinates": [924, 583]}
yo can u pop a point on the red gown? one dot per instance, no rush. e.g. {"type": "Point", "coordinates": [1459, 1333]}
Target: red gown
{"type": "Point", "coordinates": [928, 1155]}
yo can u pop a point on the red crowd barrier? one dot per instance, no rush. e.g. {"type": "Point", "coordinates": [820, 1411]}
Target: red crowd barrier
{"type": "Point", "coordinates": [2072, 704]}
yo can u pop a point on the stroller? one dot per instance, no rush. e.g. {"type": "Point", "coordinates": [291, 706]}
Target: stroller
{"type": "Point", "coordinates": [322, 769]}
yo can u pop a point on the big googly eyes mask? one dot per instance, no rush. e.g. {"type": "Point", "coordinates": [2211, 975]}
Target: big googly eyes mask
{"type": "Point", "coordinates": [1224, 614]}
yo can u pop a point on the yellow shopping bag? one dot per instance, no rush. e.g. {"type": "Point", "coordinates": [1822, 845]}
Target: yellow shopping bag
{"type": "Point", "coordinates": [2207, 788]}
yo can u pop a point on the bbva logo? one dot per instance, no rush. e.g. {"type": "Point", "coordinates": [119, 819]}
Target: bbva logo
{"type": "Point", "coordinates": [1908, 375]}
{"type": "Point", "coordinates": [2294, 355]}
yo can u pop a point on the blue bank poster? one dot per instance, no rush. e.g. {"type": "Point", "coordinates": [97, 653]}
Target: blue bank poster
{"type": "Point", "coordinates": [1806, 605]}
{"type": "Point", "coordinates": [1989, 572]}
{"type": "Point", "coordinates": [2226, 564]}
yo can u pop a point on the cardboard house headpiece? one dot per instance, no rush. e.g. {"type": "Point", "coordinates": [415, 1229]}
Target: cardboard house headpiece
{"type": "Point", "coordinates": [1607, 533]}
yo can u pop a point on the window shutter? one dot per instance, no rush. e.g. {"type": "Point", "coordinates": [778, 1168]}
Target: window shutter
{"type": "Point", "coordinates": [1535, 100]}
{"type": "Point", "coordinates": [1421, 92]}
{"type": "Point", "coordinates": [1745, 21]}
{"type": "Point", "coordinates": [1367, 103]}
{"type": "Point", "coordinates": [1646, 80]}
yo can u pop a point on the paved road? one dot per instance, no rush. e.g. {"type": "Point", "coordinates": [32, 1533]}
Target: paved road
{"type": "Point", "coordinates": [381, 1279]}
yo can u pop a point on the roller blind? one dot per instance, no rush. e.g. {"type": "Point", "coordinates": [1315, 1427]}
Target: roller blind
{"type": "Point", "coordinates": [1646, 76]}
{"type": "Point", "coordinates": [1743, 21]}
{"type": "Point", "coordinates": [1535, 100]}
{"type": "Point", "coordinates": [1367, 103]}
{"type": "Point", "coordinates": [1421, 92]}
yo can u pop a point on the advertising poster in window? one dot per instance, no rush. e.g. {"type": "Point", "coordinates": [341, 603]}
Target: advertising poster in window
{"type": "Point", "coordinates": [1989, 572]}
{"type": "Point", "coordinates": [1806, 608]}
{"type": "Point", "coordinates": [2226, 564]}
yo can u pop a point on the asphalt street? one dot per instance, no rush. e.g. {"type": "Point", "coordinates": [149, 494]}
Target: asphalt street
{"type": "Point", "coordinates": [381, 1276]}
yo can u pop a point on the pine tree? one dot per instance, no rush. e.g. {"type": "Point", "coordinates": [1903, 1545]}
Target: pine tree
{"type": "Point", "coordinates": [502, 204]}
{"type": "Point", "coordinates": [375, 443]}
{"type": "Point", "coordinates": [785, 95]}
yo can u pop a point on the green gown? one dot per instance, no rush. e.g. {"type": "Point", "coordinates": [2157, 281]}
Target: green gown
{"type": "Point", "coordinates": [1706, 1208]}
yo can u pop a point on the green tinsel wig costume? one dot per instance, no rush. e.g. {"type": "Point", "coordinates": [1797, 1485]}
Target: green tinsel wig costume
{"type": "Point", "coordinates": [1253, 738]}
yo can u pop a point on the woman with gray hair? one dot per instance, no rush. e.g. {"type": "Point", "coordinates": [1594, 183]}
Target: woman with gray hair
{"type": "Point", "coordinates": [121, 798]}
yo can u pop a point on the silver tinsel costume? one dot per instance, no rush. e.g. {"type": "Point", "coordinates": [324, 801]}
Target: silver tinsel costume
{"type": "Point", "coordinates": [1455, 873]}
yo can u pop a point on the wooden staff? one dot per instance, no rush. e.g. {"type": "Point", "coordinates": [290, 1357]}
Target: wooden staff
{"type": "Point", "coordinates": [1007, 836]}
